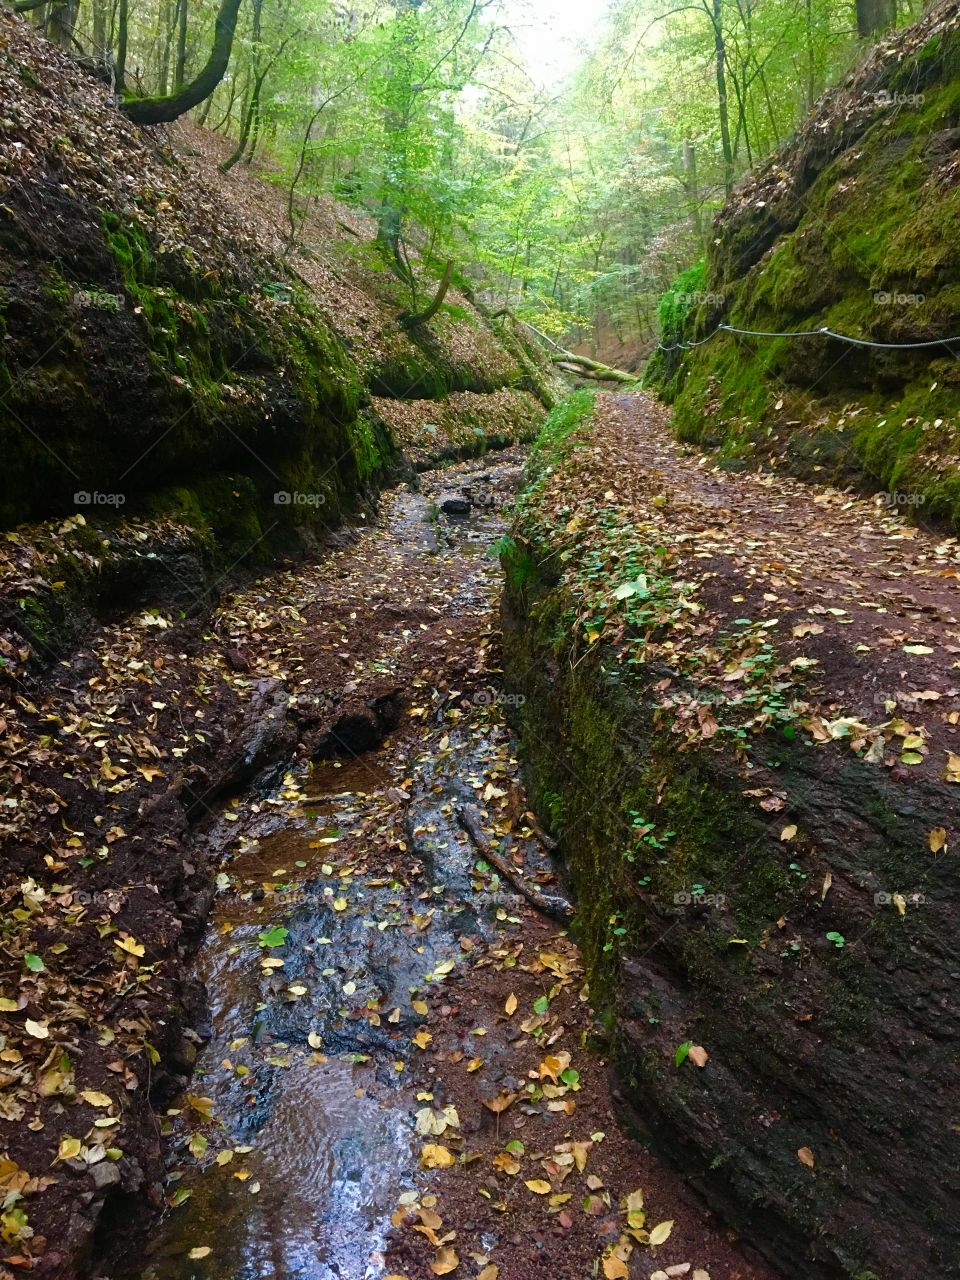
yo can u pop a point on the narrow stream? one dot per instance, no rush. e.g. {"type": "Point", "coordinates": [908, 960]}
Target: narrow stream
{"type": "Point", "coordinates": [296, 1142]}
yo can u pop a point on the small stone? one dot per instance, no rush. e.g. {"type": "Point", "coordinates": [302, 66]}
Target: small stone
{"type": "Point", "coordinates": [455, 507]}
{"type": "Point", "coordinates": [104, 1175]}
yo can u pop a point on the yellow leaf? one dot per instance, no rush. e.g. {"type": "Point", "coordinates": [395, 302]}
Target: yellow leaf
{"type": "Point", "coordinates": [224, 1157]}
{"type": "Point", "coordinates": [130, 945]}
{"type": "Point", "coordinates": [614, 1267]}
{"type": "Point", "coordinates": [422, 1039]}
{"type": "Point", "coordinates": [203, 1106]}
{"type": "Point", "coordinates": [500, 1102]}
{"type": "Point", "coordinates": [70, 1148]}
{"type": "Point", "coordinates": [96, 1099]}
{"type": "Point", "coordinates": [937, 839]}
{"type": "Point", "coordinates": [489, 1272]}
{"type": "Point", "coordinates": [474, 1064]}
{"type": "Point", "coordinates": [199, 1252]}
{"type": "Point", "coordinates": [634, 1207]}
{"type": "Point", "coordinates": [805, 1156]}
{"type": "Point", "coordinates": [419, 1006]}
{"type": "Point", "coordinates": [661, 1232]}
{"type": "Point", "coordinates": [39, 1030]}
{"type": "Point", "coordinates": [445, 1261]}
{"type": "Point", "coordinates": [510, 1007]}
{"type": "Point", "coordinates": [788, 832]}
{"type": "Point", "coordinates": [539, 1186]}
{"type": "Point", "coordinates": [435, 1156]}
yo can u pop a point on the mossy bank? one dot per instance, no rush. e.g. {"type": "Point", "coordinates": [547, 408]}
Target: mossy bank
{"type": "Point", "coordinates": [853, 225]}
{"type": "Point", "coordinates": [702, 926]}
{"type": "Point", "coordinates": [187, 393]}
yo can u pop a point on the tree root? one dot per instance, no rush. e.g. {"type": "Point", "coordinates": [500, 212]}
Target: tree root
{"type": "Point", "coordinates": [552, 905]}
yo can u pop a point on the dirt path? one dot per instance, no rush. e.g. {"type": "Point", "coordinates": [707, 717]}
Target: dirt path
{"type": "Point", "coordinates": [857, 593]}
{"type": "Point", "coordinates": [398, 1067]}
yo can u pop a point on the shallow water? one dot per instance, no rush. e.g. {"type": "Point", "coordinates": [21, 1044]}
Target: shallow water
{"type": "Point", "coordinates": [298, 1093]}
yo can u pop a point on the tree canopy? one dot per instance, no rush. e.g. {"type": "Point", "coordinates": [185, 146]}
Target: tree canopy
{"type": "Point", "coordinates": [571, 203]}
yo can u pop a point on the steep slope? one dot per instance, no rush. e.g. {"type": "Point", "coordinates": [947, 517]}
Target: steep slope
{"type": "Point", "coordinates": [188, 390]}
{"type": "Point", "coordinates": [157, 336]}
{"type": "Point", "coordinates": [853, 226]}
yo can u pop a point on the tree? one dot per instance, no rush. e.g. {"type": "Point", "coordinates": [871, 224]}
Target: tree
{"type": "Point", "coordinates": [166, 107]}
{"type": "Point", "coordinates": [874, 16]}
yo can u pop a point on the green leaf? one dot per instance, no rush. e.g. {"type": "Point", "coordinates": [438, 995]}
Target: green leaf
{"type": "Point", "coordinates": [34, 963]}
{"type": "Point", "coordinates": [682, 1050]}
{"type": "Point", "coordinates": [541, 1005]}
{"type": "Point", "coordinates": [273, 937]}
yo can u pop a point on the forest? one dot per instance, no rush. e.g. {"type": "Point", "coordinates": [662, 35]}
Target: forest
{"type": "Point", "coordinates": [479, 725]}
{"type": "Point", "coordinates": [574, 202]}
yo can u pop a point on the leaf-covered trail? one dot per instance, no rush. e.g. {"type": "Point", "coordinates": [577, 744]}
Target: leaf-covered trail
{"type": "Point", "coordinates": [398, 1080]}
{"type": "Point", "coordinates": [861, 602]}
{"type": "Point", "coordinates": [423, 1013]}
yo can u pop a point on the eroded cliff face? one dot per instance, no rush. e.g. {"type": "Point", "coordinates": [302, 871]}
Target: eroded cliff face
{"type": "Point", "coordinates": [742, 756]}
{"type": "Point", "coordinates": [188, 393]}
{"type": "Point", "coordinates": [853, 226]}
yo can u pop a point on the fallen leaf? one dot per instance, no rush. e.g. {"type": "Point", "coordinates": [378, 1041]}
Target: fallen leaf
{"type": "Point", "coordinates": [661, 1232]}
{"type": "Point", "coordinates": [805, 1156]}
{"type": "Point", "coordinates": [445, 1261]}
{"type": "Point", "coordinates": [435, 1156]}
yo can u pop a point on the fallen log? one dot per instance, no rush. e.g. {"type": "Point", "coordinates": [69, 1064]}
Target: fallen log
{"type": "Point", "coordinates": [584, 367]}
{"type": "Point", "coordinates": [552, 905]}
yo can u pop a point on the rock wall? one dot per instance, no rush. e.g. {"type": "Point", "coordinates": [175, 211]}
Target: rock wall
{"type": "Point", "coordinates": [853, 225]}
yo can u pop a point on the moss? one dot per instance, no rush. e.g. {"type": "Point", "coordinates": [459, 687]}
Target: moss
{"type": "Point", "coordinates": [872, 251]}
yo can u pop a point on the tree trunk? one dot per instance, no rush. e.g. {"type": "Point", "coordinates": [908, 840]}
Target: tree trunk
{"type": "Point", "coordinates": [692, 188]}
{"type": "Point", "coordinates": [424, 317]}
{"type": "Point", "coordinates": [720, 51]}
{"type": "Point", "coordinates": [179, 74]}
{"type": "Point", "coordinates": [160, 110]}
{"type": "Point", "coordinates": [122, 29]}
{"type": "Point", "coordinates": [874, 16]}
{"type": "Point", "coordinates": [61, 22]}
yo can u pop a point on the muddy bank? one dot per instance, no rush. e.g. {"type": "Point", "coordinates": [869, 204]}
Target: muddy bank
{"type": "Point", "coordinates": [731, 744]}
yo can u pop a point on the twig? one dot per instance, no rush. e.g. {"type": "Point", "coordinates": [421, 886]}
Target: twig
{"type": "Point", "coordinates": [550, 904]}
